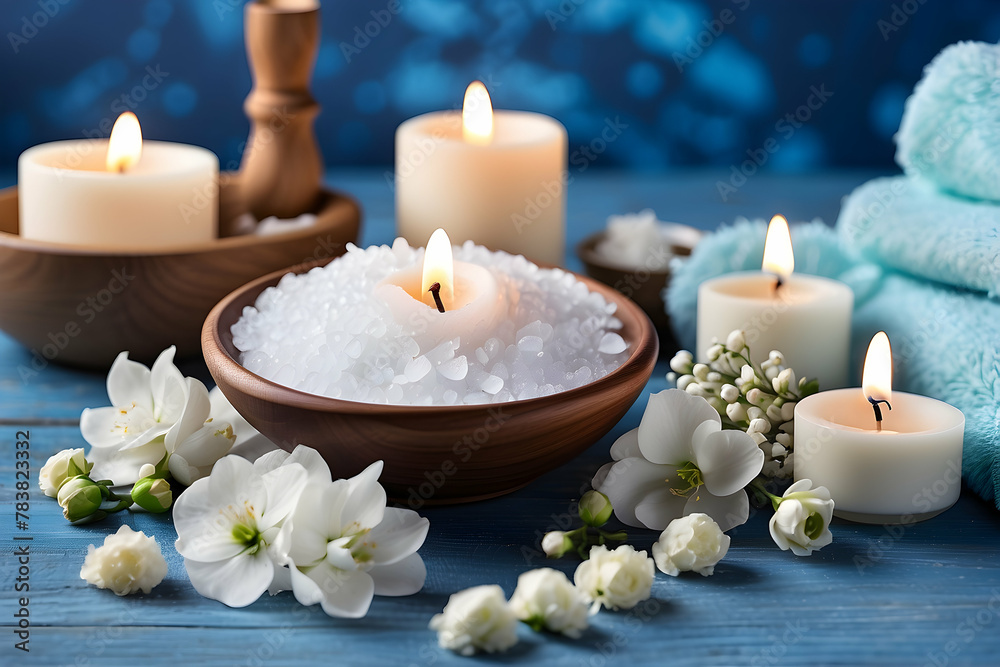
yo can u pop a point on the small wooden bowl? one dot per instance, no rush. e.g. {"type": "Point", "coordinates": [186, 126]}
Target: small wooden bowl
{"type": "Point", "coordinates": [643, 286]}
{"type": "Point", "coordinates": [434, 454]}
{"type": "Point", "coordinates": [82, 306]}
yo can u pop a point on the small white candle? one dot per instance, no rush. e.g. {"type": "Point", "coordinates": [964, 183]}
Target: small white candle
{"type": "Point", "coordinates": [495, 178]}
{"type": "Point", "coordinates": [474, 302]}
{"type": "Point", "coordinates": [120, 194]}
{"type": "Point", "coordinates": [806, 318]}
{"type": "Point", "coordinates": [904, 469]}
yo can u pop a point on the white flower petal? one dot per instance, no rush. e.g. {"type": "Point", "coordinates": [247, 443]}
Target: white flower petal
{"type": "Point", "coordinates": [668, 425]}
{"type": "Point", "coordinates": [192, 415]}
{"type": "Point", "coordinates": [626, 446]}
{"type": "Point", "coordinates": [344, 594]}
{"type": "Point", "coordinates": [404, 577]}
{"type": "Point", "coordinates": [283, 485]}
{"type": "Point", "coordinates": [282, 580]}
{"type": "Point", "coordinates": [223, 410]}
{"type": "Point", "coordinates": [122, 466]}
{"type": "Point", "coordinates": [658, 508]}
{"type": "Point", "coordinates": [366, 499]}
{"type": "Point", "coordinates": [128, 382]}
{"type": "Point", "coordinates": [629, 481]}
{"type": "Point", "coordinates": [399, 535]}
{"type": "Point", "coordinates": [235, 582]}
{"type": "Point", "coordinates": [727, 511]}
{"type": "Point", "coordinates": [164, 377]}
{"type": "Point", "coordinates": [728, 460]}
{"type": "Point", "coordinates": [205, 446]}
{"type": "Point", "coordinates": [307, 533]}
{"type": "Point", "coordinates": [315, 465]}
{"type": "Point", "coordinates": [269, 461]}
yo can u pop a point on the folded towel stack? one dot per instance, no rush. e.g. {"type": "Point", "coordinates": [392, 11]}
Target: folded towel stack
{"type": "Point", "coordinates": [922, 253]}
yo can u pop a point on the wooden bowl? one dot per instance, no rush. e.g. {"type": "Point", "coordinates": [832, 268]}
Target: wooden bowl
{"type": "Point", "coordinates": [434, 454]}
{"type": "Point", "coordinates": [82, 306]}
{"type": "Point", "coordinates": [642, 285]}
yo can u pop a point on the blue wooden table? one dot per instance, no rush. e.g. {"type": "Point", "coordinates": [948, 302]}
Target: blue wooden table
{"type": "Point", "coordinates": [925, 594]}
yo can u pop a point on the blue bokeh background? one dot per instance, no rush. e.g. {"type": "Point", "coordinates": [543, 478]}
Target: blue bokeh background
{"type": "Point", "coordinates": [688, 96]}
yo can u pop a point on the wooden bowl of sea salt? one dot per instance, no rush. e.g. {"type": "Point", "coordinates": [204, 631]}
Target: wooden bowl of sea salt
{"type": "Point", "coordinates": [433, 454]}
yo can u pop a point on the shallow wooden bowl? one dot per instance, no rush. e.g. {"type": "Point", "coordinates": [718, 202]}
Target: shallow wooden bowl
{"type": "Point", "coordinates": [82, 306]}
{"type": "Point", "coordinates": [643, 286]}
{"type": "Point", "coordinates": [434, 454]}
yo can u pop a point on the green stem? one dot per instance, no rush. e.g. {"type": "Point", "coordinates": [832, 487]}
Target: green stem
{"type": "Point", "coordinates": [759, 487]}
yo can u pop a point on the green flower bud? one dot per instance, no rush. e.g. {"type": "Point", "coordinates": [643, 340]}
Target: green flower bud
{"type": "Point", "coordinates": [556, 544]}
{"type": "Point", "coordinates": [80, 498]}
{"type": "Point", "coordinates": [153, 494]}
{"type": "Point", "coordinates": [595, 508]}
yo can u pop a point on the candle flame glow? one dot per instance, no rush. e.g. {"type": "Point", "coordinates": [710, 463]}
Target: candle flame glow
{"type": "Point", "coordinates": [876, 380]}
{"type": "Point", "coordinates": [477, 114]}
{"type": "Point", "coordinates": [125, 144]}
{"type": "Point", "coordinates": [778, 257]}
{"type": "Point", "coordinates": [439, 267]}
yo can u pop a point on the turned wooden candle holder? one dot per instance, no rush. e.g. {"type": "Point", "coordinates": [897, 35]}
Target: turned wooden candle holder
{"type": "Point", "coordinates": [434, 454]}
{"type": "Point", "coordinates": [83, 305]}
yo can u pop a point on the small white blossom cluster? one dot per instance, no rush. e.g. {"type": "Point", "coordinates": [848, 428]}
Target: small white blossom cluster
{"type": "Point", "coordinates": [759, 400]}
{"type": "Point", "coordinates": [127, 562]}
{"type": "Point", "coordinates": [481, 619]}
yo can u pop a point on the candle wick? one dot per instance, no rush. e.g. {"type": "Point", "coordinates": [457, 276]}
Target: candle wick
{"type": "Point", "coordinates": [778, 282]}
{"type": "Point", "coordinates": [435, 291]}
{"type": "Point", "coordinates": [121, 167]}
{"type": "Point", "coordinates": [878, 411]}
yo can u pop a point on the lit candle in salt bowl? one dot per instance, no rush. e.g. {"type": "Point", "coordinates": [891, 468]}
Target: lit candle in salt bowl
{"type": "Point", "coordinates": [806, 318]}
{"type": "Point", "coordinates": [442, 299]}
{"type": "Point", "coordinates": [122, 193]}
{"type": "Point", "coordinates": [497, 178]}
{"type": "Point", "coordinates": [885, 456]}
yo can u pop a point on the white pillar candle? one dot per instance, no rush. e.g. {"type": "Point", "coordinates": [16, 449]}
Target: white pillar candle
{"type": "Point", "coordinates": [497, 179]}
{"type": "Point", "coordinates": [474, 302]}
{"type": "Point", "coordinates": [143, 196]}
{"type": "Point", "coordinates": [908, 471]}
{"type": "Point", "coordinates": [806, 318]}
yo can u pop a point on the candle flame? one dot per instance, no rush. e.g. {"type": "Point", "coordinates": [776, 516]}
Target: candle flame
{"type": "Point", "coordinates": [439, 267]}
{"type": "Point", "coordinates": [778, 257]}
{"type": "Point", "coordinates": [125, 144]}
{"type": "Point", "coordinates": [477, 114]}
{"type": "Point", "coordinates": [876, 381]}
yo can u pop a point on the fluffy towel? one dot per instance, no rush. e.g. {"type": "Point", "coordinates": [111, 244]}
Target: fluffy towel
{"type": "Point", "coordinates": [950, 133]}
{"type": "Point", "coordinates": [908, 225]}
{"type": "Point", "coordinates": [944, 339]}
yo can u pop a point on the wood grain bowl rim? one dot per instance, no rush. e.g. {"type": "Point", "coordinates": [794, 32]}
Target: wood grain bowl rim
{"type": "Point", "coordinates": [322, 225]}
{"type": "Point", "coordinates": [641, 360]}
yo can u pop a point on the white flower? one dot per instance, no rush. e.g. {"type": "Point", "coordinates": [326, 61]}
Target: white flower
{"type": "Point", "coordinates": [545, 598]}
{"type": "Point", "coordinates": [556, 544]}
{"type": "Point", "coordinates": [227, 523]}
{"type": "Point", "coordinates": [128, 562]}
{"type": "Point", "coordinates": [154, 412]}
{"type": "Point", "coordinates": [678, 462]}
{"type": "Point", "coordinates": [343, 545]}
{"type": "Point", "coordinates": [736, 340]}
{"type": "Point", "coordinates": [56, 470]}
{"type": "Point", "coordinates": [618, 579]}
{"type": "Point", "coordinates": [693, 543]}
{"type": "Point", "coordinates": [802, 521]}
{"type": "Point", "coordinates": [477, 618]}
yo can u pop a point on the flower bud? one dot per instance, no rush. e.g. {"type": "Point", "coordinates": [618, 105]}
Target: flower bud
{"type": "Point", "coordinates": [788, 411]}
{"type": "Point", "coordinates": [784, 439]}
{"type": "Point", "coordinates": [776, 358]}
{"type": "Point", "coordinates": [729, 393]}
{"type": "Point", "coordinates": [785, 379]}
{"type": "Point", "coordinates": [595, 508]}
{"type": "Point", "coordinates": [777, 451]}
{"type": "Point", "coordinates": [771, 372]}
{"type": "Point", "coordinates": [700, 371]}
{"type": "Point", "coordinates": [747, 374]}
{"type": "Point", "coordinates": [715, 376]}
{"type": "Point", "coordinates": [79, 497]}
{"type": "Point", "coordinates": [696, 389]}
{"type": "Point", "coordinates": [736, 341]}
{"type": "Point", "coordinates": [153, 494]}
{"type": "Point", "coordinates": [684, 380]}
{"type": "Point", "coordinates": [714, 352]}
{"type": "Point", "coordinates": [754, 412]}
{"type": "Point", "coordinates": [737, 412]}
{"type": "Point", "coordinates": [773, 413]}
{"type": "Point", "coordinates": [755, 396]}
{"type": "Point", "coordinates": [556, 544]}
{"type": "Point", "coordinates": [758, 437]}
{"type": "Point", "coordinates": [147, 470]}
{"type": "Point", "coordinates": [60, 467]}
{"type": "Point", "coordinates": [759, 426]}
{"type": "Point", "coordinates": [682, 362]}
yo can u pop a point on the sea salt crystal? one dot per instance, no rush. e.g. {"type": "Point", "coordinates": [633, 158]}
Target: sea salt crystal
{"type": "Point", "coordinates": [313, 334]}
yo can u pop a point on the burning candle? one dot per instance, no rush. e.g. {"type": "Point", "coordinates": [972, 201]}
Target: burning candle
{"type": "Point", "coordinates": [121, 193]}
{"type": "Point", "coordinates": [495, 178]}
{"type": "Point", "coordinates": [442, 299]}
{"type": "Point", "coordinates": [885, 456]}
{"type": "Point", "coordinates": [806, 318]}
